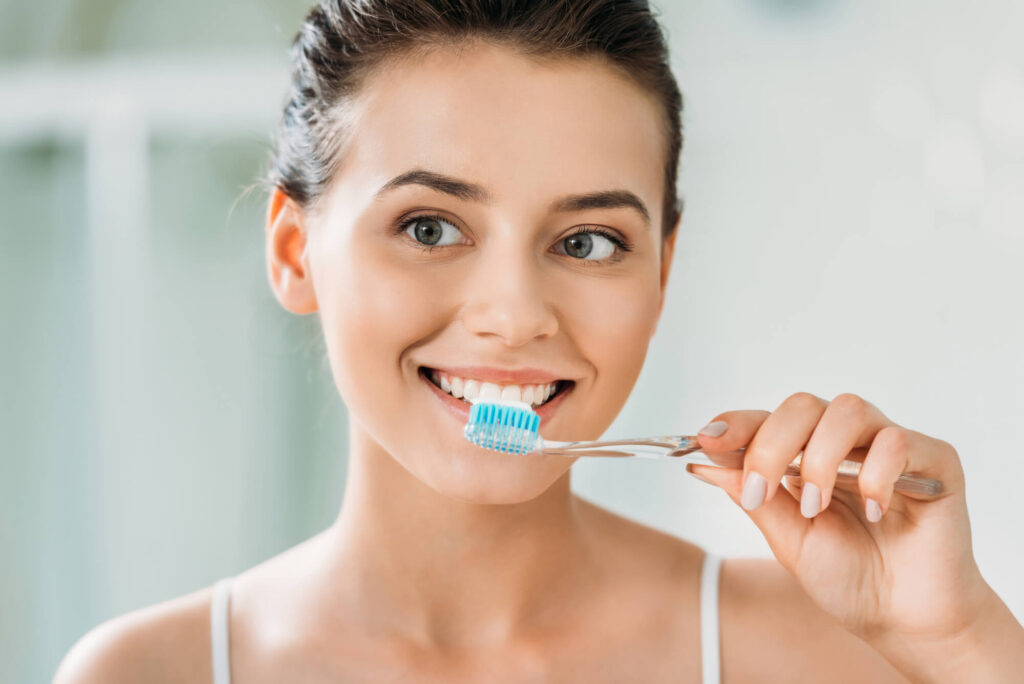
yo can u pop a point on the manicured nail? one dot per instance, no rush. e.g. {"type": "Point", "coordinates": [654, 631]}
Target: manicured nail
{"type": "Point", "coordinates": [872, 510]}
{"type": "Point", "coordinates": [810, 500]}
{"type": "Point", "coordinates": [753, 491]}
{"type": "Point", "coordinates": [715, 429]}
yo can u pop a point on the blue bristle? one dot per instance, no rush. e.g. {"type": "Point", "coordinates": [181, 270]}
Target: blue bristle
{"type": "Point", "coordinates": [501, 427]}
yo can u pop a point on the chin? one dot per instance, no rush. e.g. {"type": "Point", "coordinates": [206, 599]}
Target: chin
{"type": "Point", "coordinates": [479, 476]}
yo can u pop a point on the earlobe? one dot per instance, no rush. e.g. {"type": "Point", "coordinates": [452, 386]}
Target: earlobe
{"type": "Point", "coordinates": [287, 265]}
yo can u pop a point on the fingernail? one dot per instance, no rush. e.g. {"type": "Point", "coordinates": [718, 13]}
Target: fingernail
{"type": "Point", "coordinates": [872, 510]}
{"type": "Point", "coordinates": [753, 491]}
{"type": "Point", "coordinates": [810, 500]}
{"type": "Point", "coordinates": [700, 477]}
{"type": "Point", "coordinates": [715, 429]}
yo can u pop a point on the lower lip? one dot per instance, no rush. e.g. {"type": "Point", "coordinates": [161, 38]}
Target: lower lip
{"type": "Point", "coordinates": [460, 408]}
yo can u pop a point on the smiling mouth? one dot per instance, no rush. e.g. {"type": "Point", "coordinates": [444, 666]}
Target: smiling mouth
{"type": "Point", "coordinates": [465, 389]}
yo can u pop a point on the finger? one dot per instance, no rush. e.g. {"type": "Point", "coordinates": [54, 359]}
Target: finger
{"type": "Point", "coordinates": [778, 441]}
{"type": "Point", "coordinates": [896, 450]}
{"type": "Point", "coordinates": [848, 422]}
{"type": "Point", "coordinates": [730, 430]}
{"type": "Point", "coordinates": [779, 519]}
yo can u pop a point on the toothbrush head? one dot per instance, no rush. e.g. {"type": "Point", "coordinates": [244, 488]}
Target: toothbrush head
{"type": "Point", "coordinates": [501, 425]}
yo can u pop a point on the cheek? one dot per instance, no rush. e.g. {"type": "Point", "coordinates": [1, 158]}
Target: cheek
{"type": "Point", "coordinates": [611, 319]}
{"type": "Point", "coordinates": [371, 309]}
{"type": "Point", "coordinates": [611, 322]}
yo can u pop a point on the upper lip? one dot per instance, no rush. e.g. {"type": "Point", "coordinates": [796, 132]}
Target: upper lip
{"type": "Point", "coordinates": [502, 376]}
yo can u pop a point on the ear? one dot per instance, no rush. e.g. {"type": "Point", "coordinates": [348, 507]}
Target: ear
{"type": "Point", "coordinates": [286, 254]}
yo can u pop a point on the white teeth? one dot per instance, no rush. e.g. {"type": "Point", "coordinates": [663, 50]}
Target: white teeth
{"type": "Point", "coordinates": [462, 388]}
{"type": "Point", "coordinates": [489, 390]}
{"type": "Point", "coordinates": [511, 393]}
{"type": "Point", "coordinates": [471, 390]}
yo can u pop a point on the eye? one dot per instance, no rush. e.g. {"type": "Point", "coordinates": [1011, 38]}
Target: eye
{"type": "Point", "coordinates": [590, 245]}
{"type": "Point", "coordinates": [432, 231]}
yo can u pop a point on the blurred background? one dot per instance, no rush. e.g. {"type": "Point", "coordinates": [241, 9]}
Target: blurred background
{"type": "Point", "coordinates": [854, 185]}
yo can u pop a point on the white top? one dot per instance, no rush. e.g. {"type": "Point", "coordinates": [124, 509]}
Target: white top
{"type": "Point", "coordinates": [710, 655]}
{"type": "Point", "coordinates": [219, 631]}
{"type": "Point", "coordinates": [709, 650]}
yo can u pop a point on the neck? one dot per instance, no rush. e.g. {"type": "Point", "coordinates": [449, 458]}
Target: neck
{"type": "Point", "coordinates": [440, 570]}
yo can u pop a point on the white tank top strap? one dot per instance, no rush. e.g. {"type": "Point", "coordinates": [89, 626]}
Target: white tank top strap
{"type": "Point", "coordinates": [710, 653]}
{"type": "Point", "coordinates": [219, 643]}
{"type": "Point", "coordinates": [710, 667]}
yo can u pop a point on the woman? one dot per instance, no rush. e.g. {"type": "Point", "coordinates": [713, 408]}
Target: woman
{"type": "Point", "coordinates": [474, 191]}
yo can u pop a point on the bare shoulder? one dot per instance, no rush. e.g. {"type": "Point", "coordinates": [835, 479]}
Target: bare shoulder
{"type": "Point", "coordinates": [645, 547]}
{"type": "Point", "coordinates": [771, 631]}
{"type": "Point", "coordinates": [165, 642]}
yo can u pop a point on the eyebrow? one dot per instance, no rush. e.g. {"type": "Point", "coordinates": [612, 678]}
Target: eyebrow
{"type": "Point", "coordinates": [464, 190]}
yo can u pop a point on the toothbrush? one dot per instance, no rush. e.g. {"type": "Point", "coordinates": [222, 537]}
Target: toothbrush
{"type": "Point", "coordinates": [513, 427]}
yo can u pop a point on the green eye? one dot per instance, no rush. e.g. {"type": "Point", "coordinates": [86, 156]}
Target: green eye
{"type": "Point", "coordinates": [588, 245]}
{"type": "Point", "coordinates": [433, 231]}
{"type": "Point", "coordinates": [428, 231]}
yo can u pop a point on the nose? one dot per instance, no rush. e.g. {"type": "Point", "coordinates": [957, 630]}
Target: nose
{"type": "Point", "coordinates": [506, 299]}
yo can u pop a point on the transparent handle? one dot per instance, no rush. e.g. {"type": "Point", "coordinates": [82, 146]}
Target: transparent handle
{"type": "Point", "coordinates": [907, 483]}
{"type": "Point", "coordinates": [846, 474]}
{"type": "Point", "coordinates": [687, 448]}
{"type": "Point", "coordinates": [644, 447]}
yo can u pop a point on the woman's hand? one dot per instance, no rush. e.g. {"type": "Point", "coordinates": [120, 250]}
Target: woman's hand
{"type": "Point", "coordinates": [895, 569]}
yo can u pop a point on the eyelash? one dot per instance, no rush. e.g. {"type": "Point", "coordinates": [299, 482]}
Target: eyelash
{"type": "Point", "coordinates": [623, 245]}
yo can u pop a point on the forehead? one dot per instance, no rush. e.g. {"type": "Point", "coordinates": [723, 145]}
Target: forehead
{"type": "Point", "coordinates": [517, 125]}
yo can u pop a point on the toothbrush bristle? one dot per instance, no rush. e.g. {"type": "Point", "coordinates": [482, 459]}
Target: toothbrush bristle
{"type": "Point", "coordinates": [503, 426]}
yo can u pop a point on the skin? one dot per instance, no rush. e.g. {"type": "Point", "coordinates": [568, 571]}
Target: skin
{"type": "Point", "coordinates": [907, 583]}
{"type": "Point", "coordinates": [448, 563]}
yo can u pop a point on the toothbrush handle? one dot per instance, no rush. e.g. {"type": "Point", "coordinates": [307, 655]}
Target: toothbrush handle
{"type": "Point", "coordinates": [688, 449]}
{"type": "Point", "coordinates": [847, 472]}
{"type": "Point", "coordinates": [907, 482]}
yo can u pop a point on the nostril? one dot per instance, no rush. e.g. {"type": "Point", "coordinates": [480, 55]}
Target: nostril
{"type": "Point", "coordinates": [515, 319]}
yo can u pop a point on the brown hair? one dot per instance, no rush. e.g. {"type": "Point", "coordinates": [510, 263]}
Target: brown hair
{"type": "Point", "coordinates": [342, 41]}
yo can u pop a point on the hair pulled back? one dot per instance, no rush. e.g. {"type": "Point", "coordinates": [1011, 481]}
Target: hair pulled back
{"type": "Point", "coordinates": [341, 42]}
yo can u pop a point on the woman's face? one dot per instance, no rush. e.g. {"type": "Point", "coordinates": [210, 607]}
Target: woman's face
{"type": "Point", "coordinates": [493, 220]}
